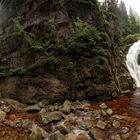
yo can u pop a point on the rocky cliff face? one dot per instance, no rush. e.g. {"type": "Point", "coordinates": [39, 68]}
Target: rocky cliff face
{"type": "Point", "coordinates": [75, 76]}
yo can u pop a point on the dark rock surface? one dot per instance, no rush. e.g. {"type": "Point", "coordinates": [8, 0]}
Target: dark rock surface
{"type": "Point", "coordinates": [86, 80]}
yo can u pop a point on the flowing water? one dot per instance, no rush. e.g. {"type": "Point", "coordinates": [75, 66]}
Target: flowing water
{"type": "Point", "coordinates": [133, 62]}
{"type": "Point", "coordinates": [133, 65]}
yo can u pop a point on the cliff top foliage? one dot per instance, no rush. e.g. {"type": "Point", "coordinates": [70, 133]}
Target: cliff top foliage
{"type": "Point", "coordinates": [128, 41]}
{"type": "Point", "coordinates": [85, 39]}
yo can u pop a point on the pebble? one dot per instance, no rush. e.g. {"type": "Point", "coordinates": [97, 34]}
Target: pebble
{"type": "Point", "coordinates": [103, 106]}
{"type": "Point", "coordinates": [103, 113]}
{"type": "Point", "coordinates": [116, 137]}
{"type": "Point", "coordinates": [101, 124]}
{"type": "Point", "coordinates": [109, 111]}
{"type": "Point", "coordinates": [71, 136]}
{"type": "Point", "coordinates": [125, 129]}
{"type": "Point", "coordinates": [125, 136]}
{"type": "Point", "coordinates": [2, 115]}
{"type": "Point", "coordinates": [82, 137]}
{"type": "Point", "coordinates": [116, 124]}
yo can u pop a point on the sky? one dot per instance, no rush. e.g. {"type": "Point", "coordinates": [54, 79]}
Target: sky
{"type": "Point", "coordinates": [134, 4]}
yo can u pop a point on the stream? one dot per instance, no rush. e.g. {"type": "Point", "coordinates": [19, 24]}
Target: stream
{"type": "Point", "coordinates": [117, 119]}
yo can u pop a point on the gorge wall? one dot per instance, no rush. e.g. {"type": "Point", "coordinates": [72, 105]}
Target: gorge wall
{"type": "Point", "coordinates": [30, 74]}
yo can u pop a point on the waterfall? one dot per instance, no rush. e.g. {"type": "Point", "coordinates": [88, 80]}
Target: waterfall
{"type": "Point", "coordinates": [133, 62]}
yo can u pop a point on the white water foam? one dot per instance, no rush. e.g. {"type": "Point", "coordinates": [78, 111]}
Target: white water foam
{"type": "Point", "coordinates": [132, 62]}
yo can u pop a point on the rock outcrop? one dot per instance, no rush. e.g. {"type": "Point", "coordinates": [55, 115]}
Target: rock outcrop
{"type": "Point", "coordinates": [75, 76]}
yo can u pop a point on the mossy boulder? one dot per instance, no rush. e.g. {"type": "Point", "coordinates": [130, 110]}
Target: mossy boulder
{"type": "Point", "coordinates": [48, 117]}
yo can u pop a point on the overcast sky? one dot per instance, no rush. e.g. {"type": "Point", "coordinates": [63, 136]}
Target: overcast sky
{"type": "Point", "coordinates": [134, 4]}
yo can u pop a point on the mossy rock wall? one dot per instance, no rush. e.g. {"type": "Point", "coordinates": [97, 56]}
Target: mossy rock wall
{"type": "Point", "coordinates": [74, 74]}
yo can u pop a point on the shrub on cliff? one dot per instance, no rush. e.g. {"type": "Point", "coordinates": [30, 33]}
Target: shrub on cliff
{"type": "Point", "coordinates": [86, 38]}
{"type": "Point", "coordinates": [128, 41]}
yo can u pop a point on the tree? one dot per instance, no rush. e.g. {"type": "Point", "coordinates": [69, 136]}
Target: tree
{"type": "Point", "coordinates": [134, 22]}
{"type": "Point", "coordinates": [123, 18]}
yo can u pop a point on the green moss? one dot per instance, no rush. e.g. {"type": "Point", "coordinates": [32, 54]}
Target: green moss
{"type": "Point", "coordinates": [19, 27]}
{"type": "Point", "coordinates": [18, 70]}
{"type": "Point", "coordinates": [128, 41]}
{"type": "Point", "coordinates": [86, 38]}
{"type": "Point", "coordinates": [50, 60]}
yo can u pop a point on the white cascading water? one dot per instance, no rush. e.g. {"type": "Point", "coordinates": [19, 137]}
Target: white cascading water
{"type": "Point", "coordinates": [132, 59]}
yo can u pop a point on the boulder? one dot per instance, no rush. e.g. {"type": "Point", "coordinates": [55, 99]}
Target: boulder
{"type": "Point", "coordinates": [70, 136]}
{"type": "Point", "coordinates": [67, 107]}
{"type": "Point", "coordinates": [97, 134]}
{"type": "Point", "coordinates": [116, 124]}
{"type": "Point", "coordinates": [26, 123]}
{"type": "Point", "coordinates": [63, 129]}
{"type": "Point", "coordinates": [103, 106]}
{"type": "Point", "coordinates": [101, 124]}
{"type": "Point", "coordinates": [82, 137]}
{"type": "Point", "coordinates": [57, 136]}
{"type": "Point", "coordinates": [38, 133]}
{"type": "Point", "coordinates": [2, 115]}
{"type": "Point", "coordinates": [109, 111]}
{"type": "Point", "coordinates": [33, 108]}
{"type": "Point", "coordinates": [47, 117]}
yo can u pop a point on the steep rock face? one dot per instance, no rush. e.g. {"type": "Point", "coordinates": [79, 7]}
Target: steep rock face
{"type": "Point", "coordinates": [87, 11]}
{"type": "Point", "coordinates": [75, 77]}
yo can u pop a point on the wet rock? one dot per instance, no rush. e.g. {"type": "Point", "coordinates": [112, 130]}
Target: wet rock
{"type": "Point", "coordinates": [85, 124]}
{"type": "Point", "coordinates": [125, 136]}
{"type": "Point", "coordinates": [103, 112]}
{"type": "Point", "coordinates": [6, 122]}
{"type": "Point", "coordinates": [56, 107]}
{"type": "Point", "coordinates": [57, 136]}
{"type": "Point", "coordinates": [114, 94]}
{"type": "Point", "coordinates": [51, 108]}
{"type": "Point", "coordinates": [82, 137]}
{"type": "Point", "coordinates": [41, 105]}
{"type": "Point", "coordinates": [26, 124]}
{"type": "Point", "coordinates": [115, 137]}
{"type": "Point", "coordinates": [71, 136]}
{"type": "Point", "coordinates": [125, 130]}
{"type": "Point", "coordinates": [97, 134]}
{"type": "Point", "coordinates": [116, 124]}
{"type": "Point", "coordinates": [101, 124]}
{"type": "Point", "coordinates": [5, 108]}
{"type": "Point", "coordinates": [63, 129]}
{"type": "Point", "coordinates": [42, 111]}
{"type": "Point", "coordinates": [81, 106]}
{"type": "Point", "coordinates": [16, 107]}
{"type": "Point", "coordinates": [109, 111]}
{"type": "Point", "coordinates": [11, 123]}
{"type": "Point", "coordinates": [47, 117]}
{"type": "Point", "coordinates": [38, 133]}
{"type": "Point", "coordinates": [118, 117]}
{"type": "Point", "coordinates": [12, 117]}
{"type": "Point", "coordinates": [33, 108]}
{"type": "Point", "coordinates": [60, 107]}
{"type": "Point", "coordinates": [2, 115]}
{"type": "Point", "coordinates": [96, 114]}
{"type": "Point", "coordinates": [67, 107]}
{"type": "Point", "coordinates": [45, 102]}
{"type": "Point", "coordinates": [103, 106]}
{"type": "Point", "coordinates": [47, 108]}
{"type": "Point", "coordinates": [85, 106]}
